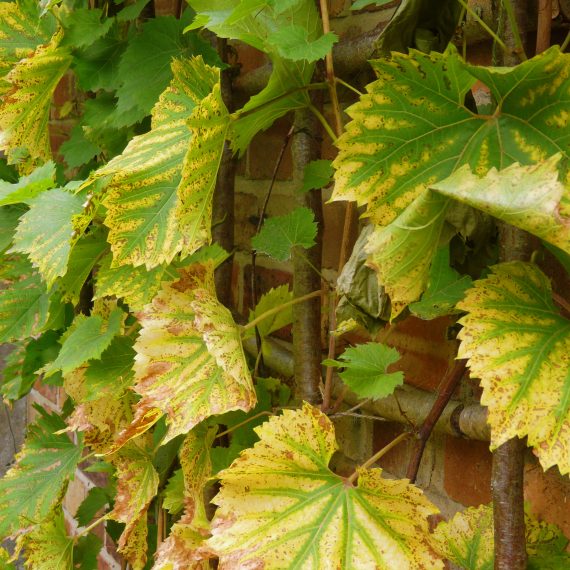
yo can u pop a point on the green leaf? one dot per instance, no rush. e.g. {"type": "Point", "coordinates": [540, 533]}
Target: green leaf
{"type": "Point", "coordinates": [9, 218]}
{"type": "Point", "coordinates": [32, 487]}
{"type": "Point", "coordinates": [173, 500]}
{"type": "Point", "coordinates": [45, 232]}
{"type": "Point", "coordinates": [280, 502]}
{"type": "Point", "coordinates": [467, 541]}
{"type": "Point", "coordinates": [132, 11]}
{"type": "Point", "coordinates": [366, 370]}
{"type": "Point", "coordinates": [24, 116]}
{"type": "Point", "coordinates": [87, 338]}
{"type": "Point", "coordinates": [292, 42]}
{"type": "Point", "coordinates": [526, 384]}
{"type": "Point", "coordinates": [190, 363]}
{"type": "Point", "coordinates": [86, 551]}
{"type": "Point", "coordinates": [445, 289]}
{"type": "Point", "coordinates": [83, 26]}
{"type": "Point", "coordinates": [359, 4]}
{"type": "Point", "coordinates": [24, 305]}
{"type": "Point", "coordinates": [402, 252]}
{"type": "Point", "coordinates": [318, 174]}
{"type": "Point", "coordinates": [112, 372]}
{"type": "Point", "coordinates": [528, 197]}
{"type": "Point", "coordinates": [150, 52]}
{"type": "Point", "coordinates": [141, 184]}
{"type": "Point", "coordinates": [21, 31]}
{"type": "Point", "coordinates": [281, 233]}
{"type": "Point", "coordinates": [273, 298]}
{"type": "Point", "coordinates": [97, 498]}
{"type": "Point", "coordinates": [78, 150]}
{"type": "Point", "coordinates": [47, 546]}
{"type": "Point", "coordinates": [28, 187]}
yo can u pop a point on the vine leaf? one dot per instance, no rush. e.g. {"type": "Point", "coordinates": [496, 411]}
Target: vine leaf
{"type": "Point", "coordinates": [86, 339]}
{"type": "Point", "coordinates": [141, 183]}
{"type": "Point", "coordinates": [47, 546]}
{"type": "Point", "coordinates": [280, 505]}
{"type": "Point", "coordinates": [257, 26]}
{"type": "Point", "coordinates": [467, 541]}
{"type": "Point", "coordinates": [366, 369]}
{"type": "Point", "coordinates": [97, 498]}
{"type": "Point", "coordinates": [21, 32]}
{"type": "Point", "coordinates": [270, 300]}
{"type": "Point", "coordinates": [24, 113]}
{"type": "Point", "coordinates": [529, 197]}
{"type": "Point", "coordinates": [28, 187]}
{"type": "Point", "coordinates": [292, 42]}
{"type": "Point", "coordinates": [412, 130]}
{"type": "Point", "coordinates": [173, 500]}
{"type": "Point", "coordinates": [83, 26]}
{"type": "Point", "coordinates": [281, 233]}
{"type": "Point", "coordinates": [318, 174]}
{"type": "Point", "coordinates": [177, 371]}
{"type": "Point", "coordinates": [137, 485]}
{"type": "Point", "coordinates": [45, 232]}
{"type": "Point", "coordinates": [525, 384]}
{"type": "Point", "coordinates": [24, 305]}
{"type": "Point", "coordinates": [446, 287]}
{"type": "Point", "coordinates": [401, 253]}
{"type": "Point", "coordinates": [184, 548]}
{"type": "Point", "coordinates": [47, 460]}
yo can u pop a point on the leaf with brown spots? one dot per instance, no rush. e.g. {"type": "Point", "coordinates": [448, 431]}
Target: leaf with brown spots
{"type": "Point", "coordinates": [280, 506]}
{"type": "Point", "coordinates": [190, 362]}
{"type": "Point", "coordinates": [518, 344]}
{"type": "Point", "coordinates": [412, 130]}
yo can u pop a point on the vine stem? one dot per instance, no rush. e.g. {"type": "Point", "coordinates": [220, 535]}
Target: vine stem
{"type": "Point", "coordinates": [89, 528]}
{"type": "Point", "coordinates": [349, 212]}
{"type": "Point", "coordinates": [245, 422]}
{"type": "Point", "coordinates": [323, 122]}
{"type": "Point", "coordinates": [544, 25]}
{"type": "Point", "coordinates": [514, 28]}
{"type": "Point", "coordinates": [561, 302]}
{"type": "Point", "coordinates": [450, 382]}
{"type": "Point", "coordinates": [377, 456]}
{"type": "Point", "coordinates": [477, 18]}
{"type": "Point", "coordinates": [275, 310]}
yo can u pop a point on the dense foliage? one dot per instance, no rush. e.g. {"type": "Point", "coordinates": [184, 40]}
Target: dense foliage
{"type": "Point", "coordinates": [108, 286]}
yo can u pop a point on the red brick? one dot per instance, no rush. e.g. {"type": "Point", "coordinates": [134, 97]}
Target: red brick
{"type": "Point", "coordinates": [264, 150]}
{"type": "Point", "coordinates": [75, 495]}
{"type": "Point", "coordinates": [266, 279]}
{"type": "Point", "coordinates": [48, 392]}
{"type": "Point", "coordinates": [111, 548]}
{"type": "Point", "coordinates": [467, 477]}
{"type": "Point", "coordinates": [397, 459]}
{"type": "Point", "coordinates": [166, 7]}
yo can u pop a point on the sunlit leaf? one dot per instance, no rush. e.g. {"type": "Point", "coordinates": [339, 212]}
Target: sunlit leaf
{"type": "Point", "coordinates": [292, 42]}
{"type": "Point", "coordinates": [366, 369]}
{"type": "Point", "coordinates": [28, 187]}
{"type": "Point", "coordinates": [31, 488]}
{"type": "Point", "coordinates": [141, 194]}
{"type": "Point", "coordinates": [190, 370]}
{"type": "Point", "coordinates": [467, 541]}
{"type": "Point", "coordinates": [281, 506]}
{"type": "Point", "coordinates": [529, 197]}
{"type": "Point", "coordinates": [24, 113]}
{"type": "Point", "coordinates": [270, 300]}
{"type": "Point", "coordinates": [281, 233]}
{"type": "Point", "coordinates": [46, 231]}
{"type": "Point", "coordinates": [518, 344]}
{"type": "Point", "coordinates": [444, 290]}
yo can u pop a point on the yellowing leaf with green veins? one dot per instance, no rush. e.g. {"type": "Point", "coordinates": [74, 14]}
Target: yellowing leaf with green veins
{"type": "Point", "coordinates": [401, 253]}
{"type": "Point", "coordinates": [209, 125]}
{"type": "Point", "coordinates": [179, 372]}
{"type": "Point", "coordinates": [23, 304]}
{"type": "Point", "coordinates": [24, 112]}
{"type": "Point", "coordinates": [21, 31]}
{"type": "Point", "coordinates": [47, 546]}
{"type": "Point", "coordinates": [280, 506]}
{"type": "Point", "coordinates": [141, 184]}
{"type": "Point", "coordinates": [5, 563]}
{"type": "Point", "coordinates": [45, 232]}
{"type": "Point", "coordinates": [184, 548]}
{"type": "Point", "coordinates": [518, 344]}
{"type": "Point", "coordinates": [529, 197]}
{"type": "Point", "coordinates": [137, 485]}
{"type": "Point", "coordinates": [33, 485]}
{"type": "Point", "coordinates": [467, 541]}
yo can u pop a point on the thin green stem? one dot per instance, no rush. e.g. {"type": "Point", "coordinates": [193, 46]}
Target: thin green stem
{"type": "Point", "coordinates": [315, 269]}
{"type": "Point", "coordinates": [565, 42]}
{"type": "Point", "coordinates": [276, 310]}
{"type": "Point", "coordinates": [323, 122]}
{"type": "Point", "coordinates": [245, 422]}
{"type": "Point", "coordinates": [476, 17]}
{"type": "Point", "coordinates": [515, 28]}
{"type": "Point", "coordinates": [378, 455]}
{"type": "Point", "coordinates": [311, 87]}
{"type": "Point", "coordinates": [348, 86]}
{"type": "Point", "coordinates": [89, 528]}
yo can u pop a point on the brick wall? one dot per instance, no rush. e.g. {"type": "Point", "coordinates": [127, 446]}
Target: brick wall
{"type": "Point", "coordinates": [454, 472]}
